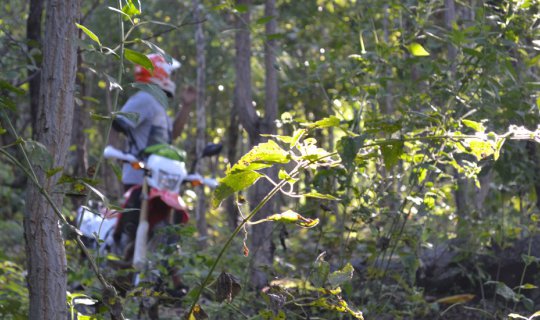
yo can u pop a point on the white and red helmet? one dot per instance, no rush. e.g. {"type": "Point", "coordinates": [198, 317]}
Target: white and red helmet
{"type": "Point", "coordinates": [161, 74]}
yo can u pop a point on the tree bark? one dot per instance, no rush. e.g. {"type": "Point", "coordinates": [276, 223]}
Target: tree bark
{"type": "Point", "coordinates": [261, 235]}
{"type": "Point", "coordinates": [233, 133]}
{"type": "Point", "coordinates": [33, 35]}
{"type": "Point", "coordinates": [46, 257]}
{"type": "Point", "coordinates": [200, 211]}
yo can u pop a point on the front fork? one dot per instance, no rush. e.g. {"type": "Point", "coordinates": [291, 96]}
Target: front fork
{"type": "Point", "coordinates": [141, 237]}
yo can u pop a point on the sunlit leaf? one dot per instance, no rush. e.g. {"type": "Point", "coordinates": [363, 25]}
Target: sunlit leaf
{"type": "Point", "coordinates": [418, 50]}
{"type": "Point", "coordinates": [476, 126]}
{"type": "Point", "coordinates": [234, 182]}
{"type": "Point", "coordinates": [89, 33]}
{"type": "Point", "coordinates": [283, 175]}
{"type": "Point", "coordinates": [290, 216]}
{"type": "Point", "coordinates": [315, 194]}
{"type": "Point", "coordinates": [331, 121]}
{"type": "Point", "coordinates": [261, 156]}
{"type": "Point", "coordinates": [130, 9]}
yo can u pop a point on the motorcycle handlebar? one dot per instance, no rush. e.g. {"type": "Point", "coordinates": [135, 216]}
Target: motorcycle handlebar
{"type": "Point", "coordinates": [111, 152]}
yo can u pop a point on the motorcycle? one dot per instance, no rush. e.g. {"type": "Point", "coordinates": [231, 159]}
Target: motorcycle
{"type": "Point", "coordinates": [158, 201]}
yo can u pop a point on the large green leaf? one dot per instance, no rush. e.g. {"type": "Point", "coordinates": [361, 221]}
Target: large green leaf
{"type": "Point", "coordinates": [234, 182]}
{"type": "Point", "coordinates": [261, 156]}
{"type": "Point", "coordinates": [391, 153]}
{"type": "Point", "coordinates": [138, 58]}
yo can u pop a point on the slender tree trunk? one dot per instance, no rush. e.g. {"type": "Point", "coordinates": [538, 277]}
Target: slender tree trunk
{"type": "Point", "coordinates": [46, 257]}
{"type": "Point", "coordinates": [201, 119]}
{"type": "Point", "coordinates": [232, 141]}
{"type": "Point", "coordinates": [460, 194]}
{"type": "Point", "coordinates": [80, 123]}
{"type": "Point", "coordinates": [262, 233]}
{"type": "Point", "coordinates": [33, 35]}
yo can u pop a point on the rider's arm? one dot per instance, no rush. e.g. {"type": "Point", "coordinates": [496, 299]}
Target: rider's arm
{"type": "Point", "coordinates": [188, 100]}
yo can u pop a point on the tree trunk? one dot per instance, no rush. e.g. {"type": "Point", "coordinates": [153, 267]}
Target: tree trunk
{"type": "Point", "coordinates": [262, 233]}
{"type": "Point", "coordinates": [33, 35]}
{"type": "Point", "coordinates": [202, 226]}
{"type": "Point", "coordinates": [460, 194]}
{"type": "Point", "coordinates": [46, 257]}
{"type": "Point", "coordinates": [232, 141]}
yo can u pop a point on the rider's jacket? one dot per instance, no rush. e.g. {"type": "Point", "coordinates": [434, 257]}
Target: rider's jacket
{"type": "Point", "coordinates": [145, 122]}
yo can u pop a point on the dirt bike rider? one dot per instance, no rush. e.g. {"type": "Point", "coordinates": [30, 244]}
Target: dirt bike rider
{"type": "Point", "coordinates": [151, 125]}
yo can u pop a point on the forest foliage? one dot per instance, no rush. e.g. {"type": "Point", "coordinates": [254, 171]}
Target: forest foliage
{"type": "Point", "coordinates": [408, 171]}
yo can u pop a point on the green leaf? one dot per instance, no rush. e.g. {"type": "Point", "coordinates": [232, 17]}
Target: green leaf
{"type": "Point", "coordinates": [234, 182]}
{"type": "Point", "coordinates": [527, 286]}
{"type": "Point", "coordinates": [264, 20]}
{"type": "Point", "coordinates": [347, 148]}
{"type": "Point", "coordinates": [130, 9]}
{"type": "Point", "coordinates": [331, 121]}
{"type": "Point", "coordinates": [38, 155]}
{"type": "Point", "coordinates": [89, 33]}
{"type": "Point", "coordinates": [391, 153]}
{"type": "Point", "coordinates": [154, 90]}
{"type": "Point", "coordinates": [261, 156]}
{"type": "Point", "coordinates": [51, 172]}
{"type": "Point", "coordinates": [504, 291]}
{"type": "Point", "coordinates": [476, 126]}
{"type": "Point", "coordinates": [6, 85]}
{"type": "Point", "coordinates": [167, 151]}
{"type": "Point", "coordinates": [498, 147]}
{"type": "Point", "coordinates": [339, 277]}
{"type": "Point", "coordinates": [131, 116]}
{"type": "Point", "coordinates": [8, 103]}
{"type": "Point", "coordinates": [417, 50]}
{"type": "Point", "coordinates": [139, 59]}
{"type": "Point", "coordinates": [322, 270]}
{"type": "Point", "coordinates": [157, 49]}
{"type": "Point", "coordinates": [283, 175]}
{"type": "Point", "coordinates": [315, 194]}
{"type": "Point", "coordinates": [290, 216]}
{"type": "Point", "coordinates": [481, 149]}
{"type": "Point", "coordinates": [99, 117]}
{"type": "Point", "coordinates": [241, 8]}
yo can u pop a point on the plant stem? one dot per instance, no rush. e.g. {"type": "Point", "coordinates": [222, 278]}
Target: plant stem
{"type": "Point", "coordinates": [267, 198]}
